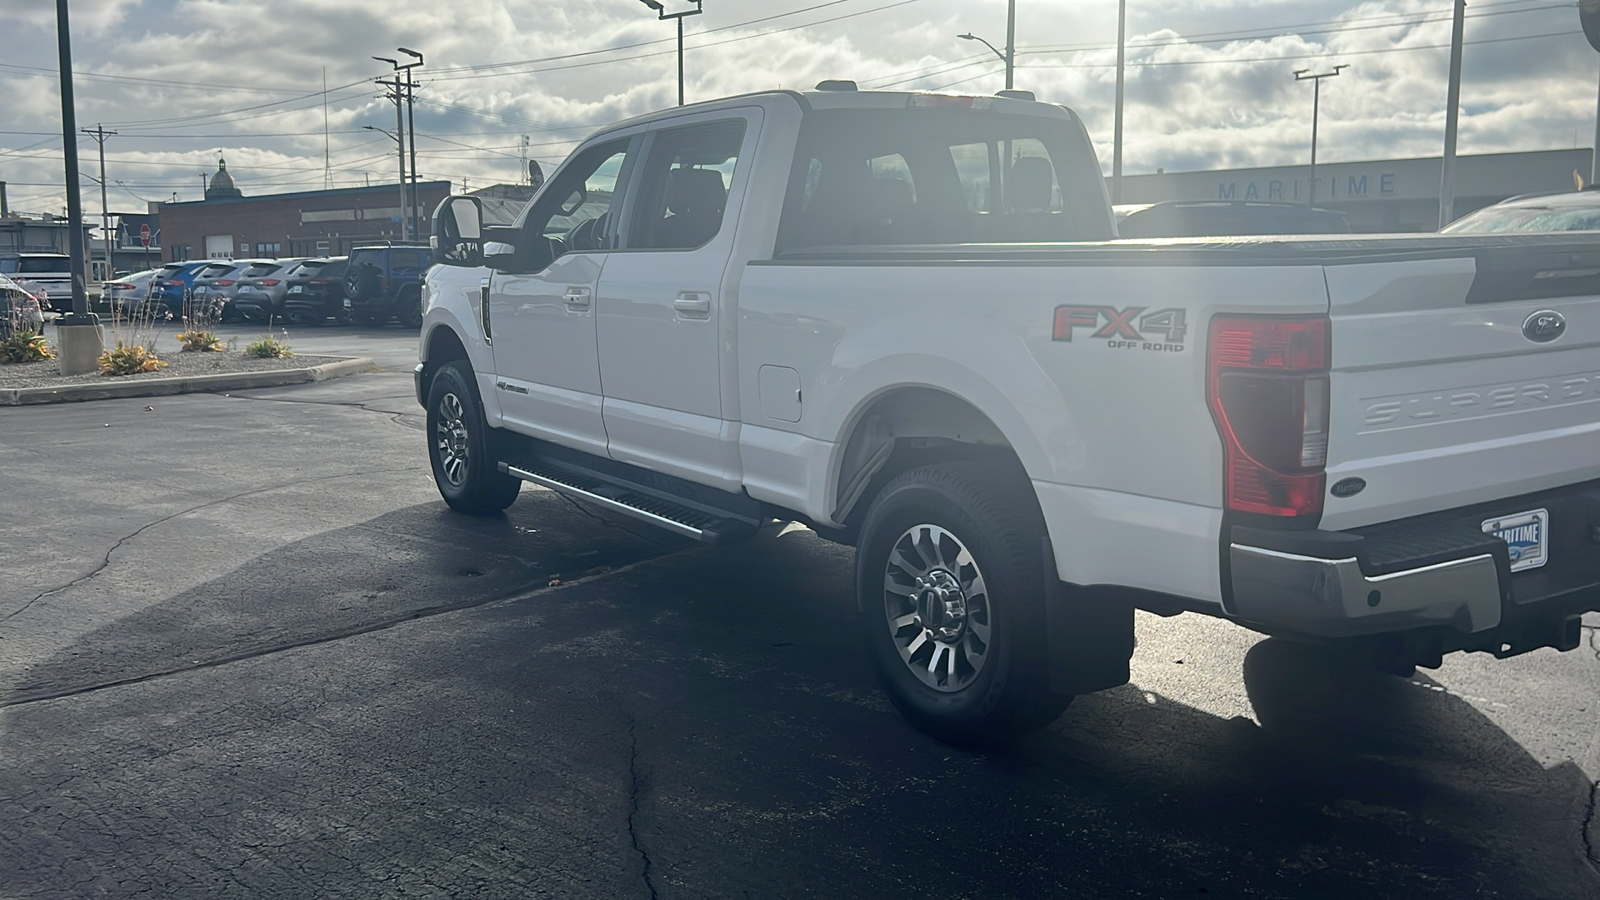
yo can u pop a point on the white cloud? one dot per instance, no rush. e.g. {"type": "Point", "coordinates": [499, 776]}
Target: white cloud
{"type": "Point", "coordinates": [1209, 84]}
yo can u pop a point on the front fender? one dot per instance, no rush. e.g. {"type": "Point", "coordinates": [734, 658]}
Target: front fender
{"type": "Point", "coordinates": [451, 299]}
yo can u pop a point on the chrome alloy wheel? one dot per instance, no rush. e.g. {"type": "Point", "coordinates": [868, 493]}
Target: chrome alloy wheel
{"type": "Point", "coordinates": [450, 434]}
{"type": "Point", "coordinates": [937, 608]}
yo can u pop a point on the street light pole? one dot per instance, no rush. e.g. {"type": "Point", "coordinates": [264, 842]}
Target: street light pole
{"type": "Point", "coordinates": [662, 14]}
{"type": "Point", "coordinates": [1452, 117]}
{"type": "Point", "coordinates": [1116, 128]}
{"type": "Point", "coordinates": [401, 152]}
{"type": "Point", "coordinates": [1316, 103]}
{"type": "Point", "coordinates": [1011, 41]}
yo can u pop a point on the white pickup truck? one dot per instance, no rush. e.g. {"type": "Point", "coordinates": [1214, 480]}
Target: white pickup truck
{"type": "Point", "coordinates": [903, 320]}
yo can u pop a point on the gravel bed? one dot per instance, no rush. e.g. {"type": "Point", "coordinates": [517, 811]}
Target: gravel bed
{"type": "Point", "coordinates": [47, 372]}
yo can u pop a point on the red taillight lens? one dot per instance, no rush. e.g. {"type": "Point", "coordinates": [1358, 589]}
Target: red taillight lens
{"type": "Point", "coordinates": [175, 283]}
{"type": "Point", "coordinates": [1268, 390]}
{"type": "Point", "coordinates": [267, 282]}
{"type": "Point", "coordinates": [119, 286]}
{"type": "Point", "coordinates": [222, 282]}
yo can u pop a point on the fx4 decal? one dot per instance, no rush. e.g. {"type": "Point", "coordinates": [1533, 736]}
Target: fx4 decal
{"type": "Point", "coordinates": [1161, 330]}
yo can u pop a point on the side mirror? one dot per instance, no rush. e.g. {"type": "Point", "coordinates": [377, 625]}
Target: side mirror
{"type": "Point", "coordinates": [458, 232]}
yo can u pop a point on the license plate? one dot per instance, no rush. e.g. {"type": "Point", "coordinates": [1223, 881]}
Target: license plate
{"type": "Point", "coordinates": [1526, 534]}
{"type": "Point", "coordinates": [297, 289]}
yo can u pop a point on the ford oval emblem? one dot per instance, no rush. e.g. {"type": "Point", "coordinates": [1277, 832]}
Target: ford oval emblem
{"type": "Point", "coordinates": [1348, 487]}
{"type": "Point", "coordinates": [1544, 326]}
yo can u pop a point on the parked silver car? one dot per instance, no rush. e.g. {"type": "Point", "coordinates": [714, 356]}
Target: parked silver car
{"type": "Point", "coordinates": [262, 288]}
{"type": "Point", "coordinates": [126, 293]}
{"type": "Point", "coordinates": [1564, 211]}
{"type": "Point", "coordinates": [217, 285]}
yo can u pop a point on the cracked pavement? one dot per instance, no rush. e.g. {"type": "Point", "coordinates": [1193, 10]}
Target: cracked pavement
{"type": "Point", "coordinates": [245, 651]}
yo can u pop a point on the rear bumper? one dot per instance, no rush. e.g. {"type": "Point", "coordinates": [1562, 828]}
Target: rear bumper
{"type": "Point", "coordinates": [1433, 572]}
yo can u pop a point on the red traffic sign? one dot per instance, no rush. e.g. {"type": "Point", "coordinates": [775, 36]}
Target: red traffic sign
{"type": "Point", "coordinates": [144, 234]}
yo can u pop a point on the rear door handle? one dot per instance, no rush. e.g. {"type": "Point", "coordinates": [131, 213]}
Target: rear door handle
{"type": "Point", "coordinates": [693, 305]}
{"type": "Point", "coordinates": [578, 298]}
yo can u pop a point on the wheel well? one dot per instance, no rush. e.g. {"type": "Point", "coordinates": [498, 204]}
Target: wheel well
{"type": "Point", "coordinates": [907, 428]}
{"type": "Point", "coordinates": [443, 346]}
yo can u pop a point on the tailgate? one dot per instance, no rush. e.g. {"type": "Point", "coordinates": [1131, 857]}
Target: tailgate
{"type": "Point", "coordinates": [1462, 380]}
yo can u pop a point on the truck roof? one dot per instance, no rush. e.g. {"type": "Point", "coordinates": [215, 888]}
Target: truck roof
{"type": "Point", "coordinates": [850, 98]}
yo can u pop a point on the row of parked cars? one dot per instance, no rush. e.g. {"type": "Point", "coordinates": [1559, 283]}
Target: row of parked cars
{"type": "Point", "coordinates": [371, 286]}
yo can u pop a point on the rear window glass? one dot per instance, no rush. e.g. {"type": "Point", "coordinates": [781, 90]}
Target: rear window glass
{"type": "Point", "coordinates": [940, 176]}
{"type": "Point", "coordinates": [43, 265]}
{"type": "Point", "coordinates": [213, 271]}
{"type": "Point", "coordinates": [367, 257]}
{"type": "Point", "coordinates": [259, 269]}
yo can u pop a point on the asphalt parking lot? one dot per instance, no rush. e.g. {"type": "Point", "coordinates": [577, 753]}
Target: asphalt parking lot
{"type": "Point", "coordinates": [245, 651]}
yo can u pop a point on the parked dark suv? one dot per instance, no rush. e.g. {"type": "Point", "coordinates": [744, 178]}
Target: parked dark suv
{"type": "Point", "coordinates": [316, 291]}
{"type": "Point", "coordinates": [383, 280]}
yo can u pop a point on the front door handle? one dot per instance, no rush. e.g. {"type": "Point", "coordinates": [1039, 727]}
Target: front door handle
{"type": "Point", "coordinates": [693, 305]}
{"type": "Point", "coordinates": [578, 298]}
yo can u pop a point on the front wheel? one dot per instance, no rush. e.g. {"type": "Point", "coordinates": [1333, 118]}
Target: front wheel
{"type": "Point", "coordinates": [458, 447]}
{"type": "Point", "coordinates": [951, 586]}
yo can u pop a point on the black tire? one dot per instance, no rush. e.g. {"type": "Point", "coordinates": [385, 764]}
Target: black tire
{"type": "Point", "coordinates": [408, 308]}
{"type": "Point", "coordinates": [458, 446]}
{"type": "Point", "coordinates": [992, 683]}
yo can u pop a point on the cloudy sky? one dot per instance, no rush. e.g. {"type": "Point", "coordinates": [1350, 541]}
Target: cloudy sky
{"type": "Point", "coordinates": [1208, 86]}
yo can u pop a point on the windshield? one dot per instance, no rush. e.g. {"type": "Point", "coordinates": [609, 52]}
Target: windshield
{"type": "Point", "coordinates": [40, 265]}
{"type": "Point", "coordinates": [1526, 218]}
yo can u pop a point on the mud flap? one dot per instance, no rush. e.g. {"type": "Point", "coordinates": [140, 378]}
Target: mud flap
{"type": "Point", "coordinates": [1090, 633]}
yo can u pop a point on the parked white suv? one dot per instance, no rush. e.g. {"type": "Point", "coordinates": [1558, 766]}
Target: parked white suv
{"type": "Point", "coordinates": [899, 318]}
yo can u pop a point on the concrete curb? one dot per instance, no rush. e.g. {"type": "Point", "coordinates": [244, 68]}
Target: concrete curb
{"type": "Point", "coordinates": [188, 384]}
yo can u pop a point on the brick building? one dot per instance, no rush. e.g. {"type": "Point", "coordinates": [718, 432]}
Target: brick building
{"type": "Point", "coordinates": [227, 224]}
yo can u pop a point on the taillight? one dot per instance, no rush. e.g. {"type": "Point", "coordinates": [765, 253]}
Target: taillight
{"type": "Point", "coordinates": [175, 283]}
{"type": "Point", "coordinates": [1267, 384]}
{"type": "Point", "coordinates": [267, 282]}
{"type": "Point", "coordinates": [222, 282]}
{"type": "Point", "coordinates": [119, 286]}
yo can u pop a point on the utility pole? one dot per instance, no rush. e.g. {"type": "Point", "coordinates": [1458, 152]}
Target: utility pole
{"type": "Point", "coordinates": [78, 334]}
{"type": "Point", "coordinates": [411, 118]}
{"type": "Point", "coordinates": [398, 97]}
{"type": "Point", "coordinates": [1316, 102]}
{"type": "Point", "coordinates": [1452, 118]}
{"type": "Point", "coordinates": [100, 134]}
{"type": "Point", "coordinates": [663, 15]}
{"type": "Point", "coordinates": [1116, 130]}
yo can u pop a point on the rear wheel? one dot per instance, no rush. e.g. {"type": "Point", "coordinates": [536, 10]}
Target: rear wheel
{"type": "Point", "coordinates": [408, 308]}
{"type": "Point", "coordinates": [458, 446]}
{"type": "Point", "coordinates": [950, 582]}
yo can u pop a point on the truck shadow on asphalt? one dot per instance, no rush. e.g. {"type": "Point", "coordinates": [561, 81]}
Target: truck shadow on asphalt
{"type": "Point", "coordinates": [704, 723]}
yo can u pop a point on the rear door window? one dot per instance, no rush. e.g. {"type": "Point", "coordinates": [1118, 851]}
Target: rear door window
{"type": "Point", "coordinates": [45, 265]}
{"type": "Point", "coordinates": [937, 176]}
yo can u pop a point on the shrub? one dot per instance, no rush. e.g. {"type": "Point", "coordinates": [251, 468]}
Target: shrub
{"type": "Point", "coordinates": [195, 339]}
{"type": "Point", "coordinates": [268, 347]}
{"type": "Point", "coordinates": [124, 360]}
{"type": "Point", "coordinates": [24, 346]}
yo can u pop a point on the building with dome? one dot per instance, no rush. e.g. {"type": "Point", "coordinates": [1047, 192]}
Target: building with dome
{"type": "Point", "coordinates": [229, 225]}
{"type": "Point", "coordinates": [221, 186]}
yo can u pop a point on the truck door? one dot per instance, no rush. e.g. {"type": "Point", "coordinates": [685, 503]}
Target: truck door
{"type": "Point", "coordinates": [547, 369]}
{"type": "Point", "coordinates": [664, 321]}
